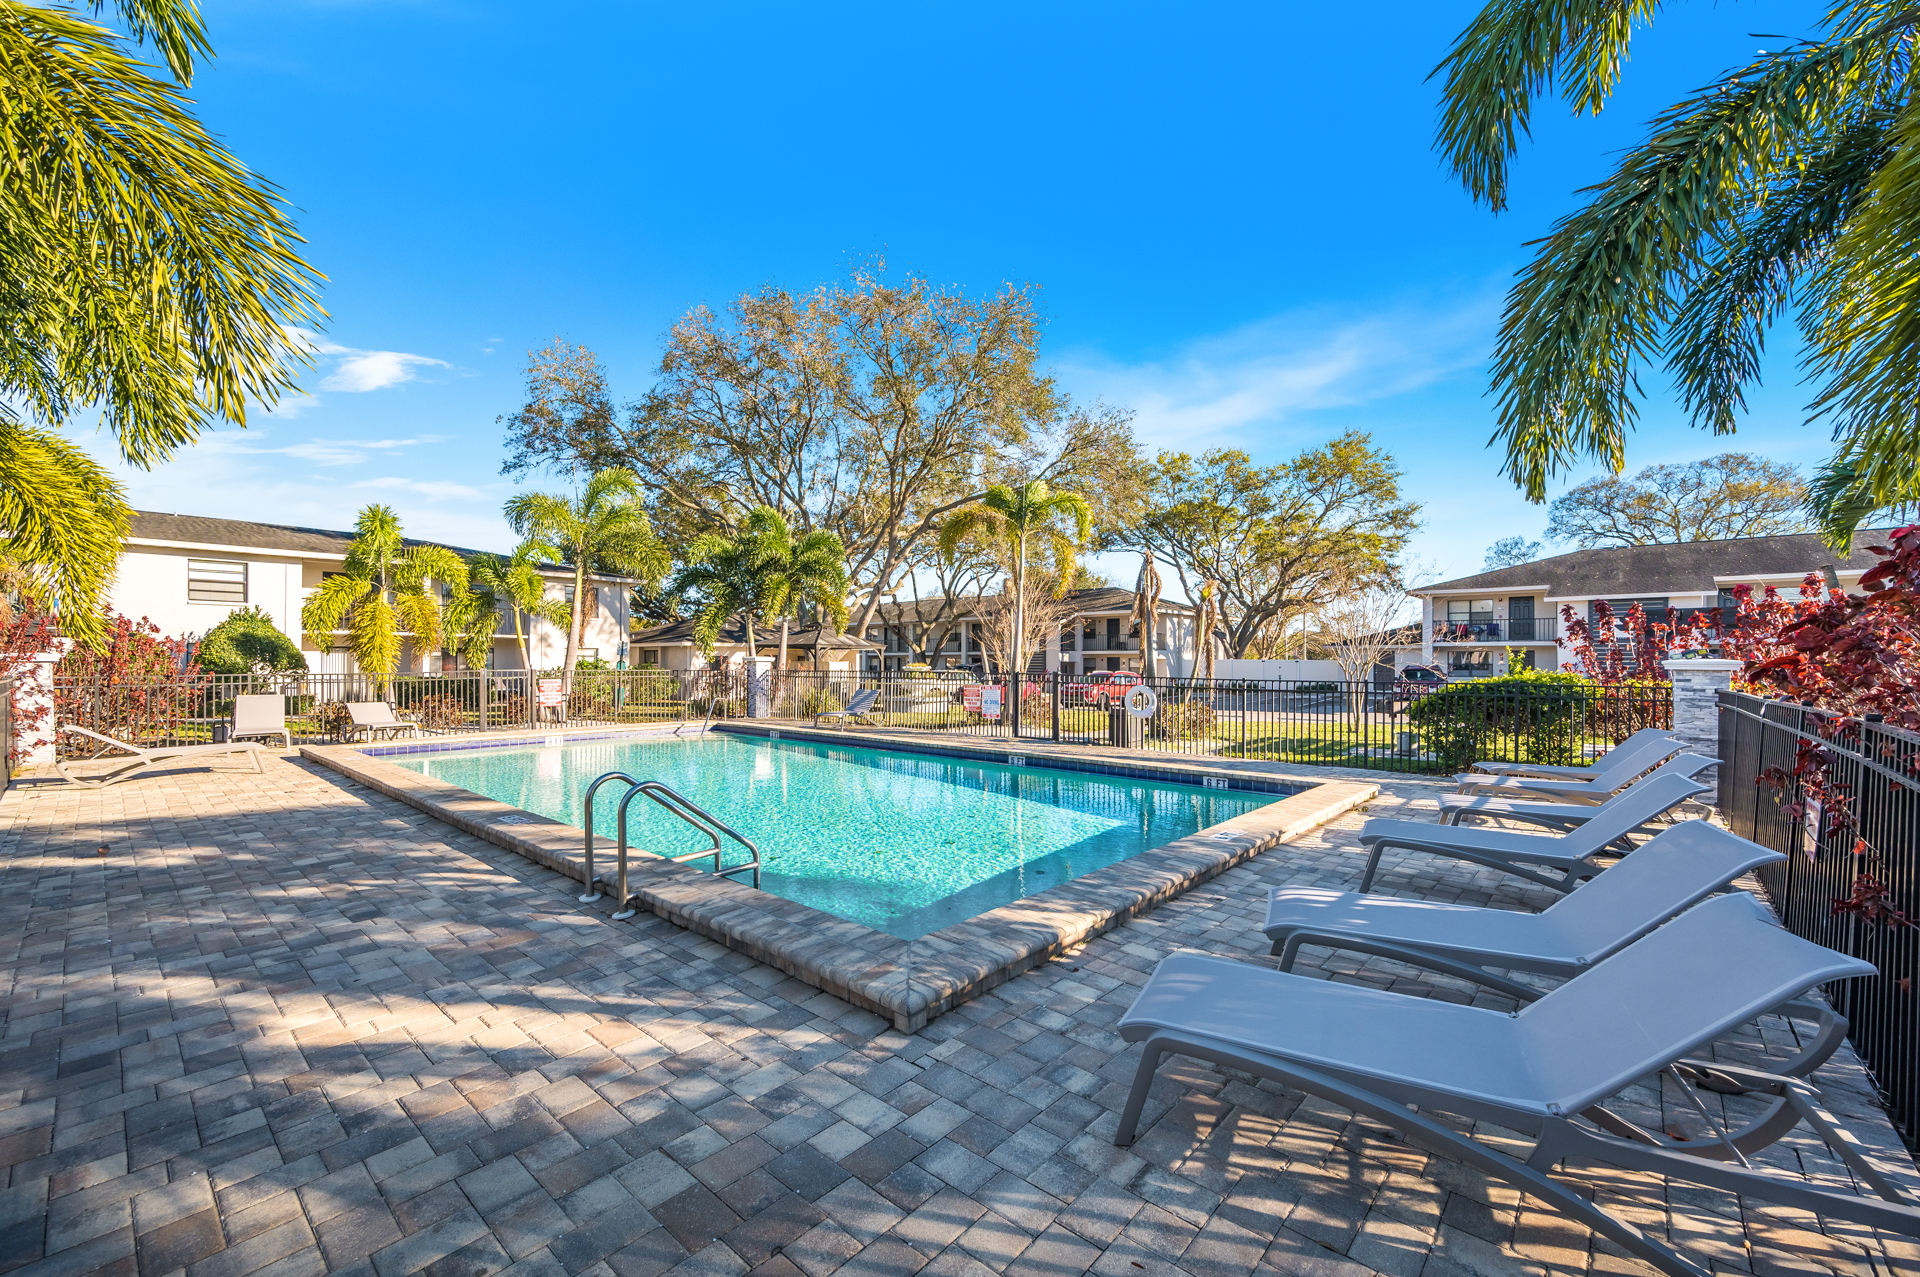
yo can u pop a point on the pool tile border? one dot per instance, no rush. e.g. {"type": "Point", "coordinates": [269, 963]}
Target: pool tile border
{"type": "Point", "coordinates": [907, 982]}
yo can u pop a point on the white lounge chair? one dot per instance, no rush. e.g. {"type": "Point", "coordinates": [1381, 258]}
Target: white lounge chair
{"type": "Point", "coordinates": [1628, 750]}
{"type": "Point", "coordinates": [1582, 791]}
{"type": "Point", "coordinates": [260, 716]}
{"type": "Point", "coordinates": [1573, 853]}
{"type": "Point", "coordinates": [375, 717]}
{"type": "Point", "coordinates": [859, 710]}
{"type": "Point", "coordinates": [1396, 1059]}
{"type": "Point", "coordinates": [1455, 808]}
{"type": "Point", "coordinates": [137, 759]}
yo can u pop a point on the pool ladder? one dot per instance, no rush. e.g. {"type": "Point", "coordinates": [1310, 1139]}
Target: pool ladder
{"type": "Point", "coordinates": [683, 807]}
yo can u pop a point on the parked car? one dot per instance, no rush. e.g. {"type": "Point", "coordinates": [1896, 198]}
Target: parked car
{"type": "Point", "coordinates": [1098, 688]}
{"type": "Point", "coordinates": [1417, 680]}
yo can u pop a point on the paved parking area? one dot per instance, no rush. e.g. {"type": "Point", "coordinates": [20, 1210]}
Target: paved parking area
{"type": "Point", "coordinates": [281, 1025]}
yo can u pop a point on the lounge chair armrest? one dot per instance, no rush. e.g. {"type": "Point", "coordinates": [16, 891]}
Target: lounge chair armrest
{"type": "Point", "coordinates": [1289, 950]}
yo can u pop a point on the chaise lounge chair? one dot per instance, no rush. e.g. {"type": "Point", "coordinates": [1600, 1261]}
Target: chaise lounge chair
{"type": "Point", "coordinates": [1684, 865]}
{"type": "Point", "coordinates": [1572, 853]}
{"type": "Point", "coordinates": [1454, 808]}
{"type": "Point", "coordinates": [260, 716]}
{"type": "Point", "coordinates": [858, 710]}
{"type": "Point", "coordinates": [139, 759]}
{"type": "Point", "coordinates": [1628, 750]}
{"type": "Point", "coordinates": [1396, 1059]}
{"type": "Point", "coordinates": [1582, 791]}
{"type": "Point", "coordinates": [374, 717]}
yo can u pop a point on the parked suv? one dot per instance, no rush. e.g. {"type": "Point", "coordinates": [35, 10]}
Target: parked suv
{"type": "Point", "coordinates": [1416, 680]}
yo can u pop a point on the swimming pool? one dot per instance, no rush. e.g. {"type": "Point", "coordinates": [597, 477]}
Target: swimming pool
{"type": "Point", "coordinates": [904, 843]}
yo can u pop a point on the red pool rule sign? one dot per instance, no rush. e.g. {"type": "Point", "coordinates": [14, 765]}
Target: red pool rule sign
{"type": "Point", "coordinates": [550, 692]}
{"type": "Point", "coordinates": [970, 698]}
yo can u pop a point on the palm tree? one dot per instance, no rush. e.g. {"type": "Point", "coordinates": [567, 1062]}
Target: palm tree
{"type": "Point", "coordinates": [1783, 184]}
{"type": "Point", "coordinates": [1013, 517]}
{"type": "Point", "coordinates": [513, 582]}
{"type": "Point", "coordinates": [151, 279]}
{"type": "Point", "coordinates": [804, 571]}
{"type": "Point", "coordinates": [734, 575]}
{"type": "Point", "coordinates": [604, 528]}
{"type": "Point", "coordinates": [389, 591]}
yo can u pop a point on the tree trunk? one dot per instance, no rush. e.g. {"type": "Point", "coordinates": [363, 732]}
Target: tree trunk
{"type": "Point", "coordinates": [781, 664]}
{"type": "Point", "coordinates": [1019, 644]}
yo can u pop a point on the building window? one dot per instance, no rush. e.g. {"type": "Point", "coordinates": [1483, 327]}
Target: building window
{"type": "Point", "coordinates": [1475, 663]}
{"type": "Point", "coordinates": [1469, 611]}
{"type": "Point", "coordinates": [216, 581]}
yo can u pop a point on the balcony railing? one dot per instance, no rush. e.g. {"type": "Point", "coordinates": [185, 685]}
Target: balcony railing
{"type": "Point", "coordinates": [1538, 629]}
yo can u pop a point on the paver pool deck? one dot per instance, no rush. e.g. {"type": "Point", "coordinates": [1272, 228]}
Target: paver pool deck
{"type": "Point", "coordinates": [287, 1025]}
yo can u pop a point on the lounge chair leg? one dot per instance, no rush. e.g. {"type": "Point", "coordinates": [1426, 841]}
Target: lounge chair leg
{"type": "Point", "coordinates": [1373, 867]}
{"type": "Point", "coordinates": [1150, 1055]}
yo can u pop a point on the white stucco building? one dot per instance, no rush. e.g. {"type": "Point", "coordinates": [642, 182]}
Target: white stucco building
{"type": "Point", "coordinates": [187, 573]}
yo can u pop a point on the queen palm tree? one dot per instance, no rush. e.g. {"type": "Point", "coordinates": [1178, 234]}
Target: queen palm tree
{"type": "Point", "coordinates": [809, 571]}
{"type": "Point", "coordinates": [514, 582]}
{"type": "Point", "coordinates": [1013, 518]}
{"type": "Point", "coordinates": [604, 528]}
{"type": "Point", "coordinates": [1783, 185]}
{"type": "Point", "coordinates": [735, 576]}
{"type": "Point", "coordinates": [151, 280]}
{"type": "Point", "coordinates": [388, 591]}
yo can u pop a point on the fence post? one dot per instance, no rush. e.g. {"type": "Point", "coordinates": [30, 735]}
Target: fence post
{"type": "Point", "coordinates": [1697, 685]}
{"type": "Point", "coordinates": [1055, 676]}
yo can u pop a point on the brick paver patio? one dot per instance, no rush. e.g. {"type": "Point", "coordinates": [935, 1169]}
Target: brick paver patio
{"type": "Point", "coordinates": [287, 1026]}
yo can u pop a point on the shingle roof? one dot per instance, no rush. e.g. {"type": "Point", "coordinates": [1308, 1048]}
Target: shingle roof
{"type": "Point", "coordinates": [1102, 599]}
{"type": "Point", "coordinates": [199, 529]}
{"type": "Point", "coordinates": [1677, 568]}
{"type": "Point", "coordinates": [155, 526]}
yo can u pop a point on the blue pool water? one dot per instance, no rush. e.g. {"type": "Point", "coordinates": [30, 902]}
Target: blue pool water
{"type": "Point", "coordinates": [904, 843]}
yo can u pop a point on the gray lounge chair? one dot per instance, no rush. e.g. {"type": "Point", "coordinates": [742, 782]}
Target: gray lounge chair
{"type": "Point", "coordinates": [1396, 1059]}
{"type": "Point", "coordinates": [858, 710]}
{"type": "Point", "coordinates": [1627, 750]}
{"type": "Point", "coordinates": [1684, 865]}
{"type": "Point", "coordinates": [1573, 853]}
{"type": "Point", "coordinates": [375, 717]}
{"type": "Point", "coordinates": [260, 716]}
{"type": "Point", "coordinates": [138, 759]}
{"type": "Point", "coordinates": [1455, 808]}
{"type": "Point", "coordinates": [1582, 791]}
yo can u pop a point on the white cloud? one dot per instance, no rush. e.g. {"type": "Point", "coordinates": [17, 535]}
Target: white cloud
{"type": "Point", "coordinates": [432, 489]}
{"type": "Point", "coordinates": [355, 371]}
{"type": "Point", "coordinates": [1211, 391]}
{"type": "Point", "coordinates": [376, 370]}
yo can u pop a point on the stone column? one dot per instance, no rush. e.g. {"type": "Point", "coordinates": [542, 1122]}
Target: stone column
{"type": "Point", "coordinates": [759, 686]}
{"type": "Point", "coordinates": [34, 690]}
{"type": "Point", "coordinates": [1696, 702]}
{"type": "Point", "coordinates": [1426, 629]}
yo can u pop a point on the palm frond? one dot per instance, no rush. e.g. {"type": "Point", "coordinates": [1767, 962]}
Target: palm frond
{"type": "Point", "coordinates": [1718, 333]}
{"type": "Point", "coordinates": [150, 274]}
{"type": "Point", "coordinates": [328, 606]}
{"type": "Point", "coordinates": [1513, 51]}
{"type": "Point", "coordinates": [374, 635]}
{"type": "Point", "coordinates": [1591, 306]}
{"type": "Point", "coordinates": [62, 520]}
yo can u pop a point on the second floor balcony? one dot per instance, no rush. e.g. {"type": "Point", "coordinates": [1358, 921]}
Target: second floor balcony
{"type": "Point", "coordinates": [1535, 629]}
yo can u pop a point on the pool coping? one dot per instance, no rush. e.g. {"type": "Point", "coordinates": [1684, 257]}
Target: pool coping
{"type": "Point", "coordinates": [906, 982]}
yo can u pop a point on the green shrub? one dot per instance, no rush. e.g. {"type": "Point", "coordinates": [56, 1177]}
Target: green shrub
{"type": "Point", "coordinates": [248, 642]}
{"type": "Point", "coordinates": [816, 701]}
{"type": "Point", "coordinates": [1539, 716]}
{"type": "Point", "coordinates": [1191, 720]}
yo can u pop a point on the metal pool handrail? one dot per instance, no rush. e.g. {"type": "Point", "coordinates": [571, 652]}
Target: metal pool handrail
{"type": "Point", "coordinates": [593, 886]}
{"type": "Point", "coordinates": [686, 809]}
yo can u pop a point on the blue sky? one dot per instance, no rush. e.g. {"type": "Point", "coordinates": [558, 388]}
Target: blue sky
{"type": "Point", "coordinates": [1233, 212]}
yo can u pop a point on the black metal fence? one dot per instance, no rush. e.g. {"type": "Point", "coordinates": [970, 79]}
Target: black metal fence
{"type": "Point", "coordinates": [1872, 770]}
{"type": "Point", "coordinates": [190, 709]}
{"type": "Point", "coordinates": [1378, 726]}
